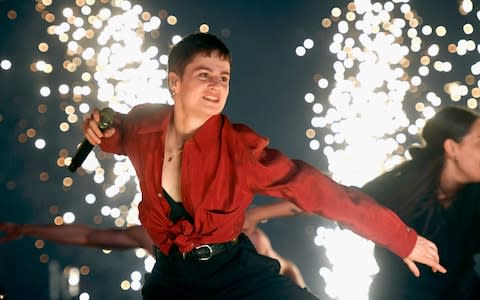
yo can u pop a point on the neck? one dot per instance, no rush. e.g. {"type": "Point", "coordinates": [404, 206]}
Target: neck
{"type": "Point", "coordinates": [175, 139]}
{"type": "Point", "coordinates": [449, 185]}
{"type": "Point", "coordinates": [185, 125]}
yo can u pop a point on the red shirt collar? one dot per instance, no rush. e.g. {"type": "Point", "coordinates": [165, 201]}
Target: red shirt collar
{"type": "Point", "coordinates": [205, 135]}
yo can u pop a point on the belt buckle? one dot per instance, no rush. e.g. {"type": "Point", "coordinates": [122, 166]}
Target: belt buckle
{"type": "Point", "coordinates": [209, 249]}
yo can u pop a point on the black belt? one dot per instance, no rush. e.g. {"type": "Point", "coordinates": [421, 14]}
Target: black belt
{"type": "Point", "coordinates": [202, 252]}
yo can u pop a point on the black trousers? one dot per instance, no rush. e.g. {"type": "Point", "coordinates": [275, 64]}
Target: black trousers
{"type": "Point", "coordinates": [240, 273]}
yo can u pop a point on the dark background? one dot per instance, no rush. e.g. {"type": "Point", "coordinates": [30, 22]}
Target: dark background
{"type": "Point", "coordinates": [268, 85]}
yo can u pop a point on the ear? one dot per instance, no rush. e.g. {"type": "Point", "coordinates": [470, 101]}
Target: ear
{"type": "Point", "coordinates": [450, 148]}
{"type": "Point", "coordinates": [173, 79]}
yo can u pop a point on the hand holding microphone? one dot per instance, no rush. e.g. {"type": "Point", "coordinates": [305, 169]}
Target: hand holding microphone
{"type": "Point", "coordinates": [94, 128]}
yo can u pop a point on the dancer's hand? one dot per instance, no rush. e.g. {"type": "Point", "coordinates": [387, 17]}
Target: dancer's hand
{"type": "Point", "coordinates": [424, 252]}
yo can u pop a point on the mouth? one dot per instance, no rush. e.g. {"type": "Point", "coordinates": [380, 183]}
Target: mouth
{"type": "Point", "coordinates": [211, 99]}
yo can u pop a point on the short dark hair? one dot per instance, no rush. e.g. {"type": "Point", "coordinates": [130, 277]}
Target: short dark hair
{"type": "Point", "coordinates": [184, 51]}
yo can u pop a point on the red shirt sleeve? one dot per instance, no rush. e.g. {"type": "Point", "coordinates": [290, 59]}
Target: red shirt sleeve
{"type": "Point", "coordinates": [274, 174]}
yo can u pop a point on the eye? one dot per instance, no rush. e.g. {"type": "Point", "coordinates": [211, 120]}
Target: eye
{"type": "Point", "coordinates": [203, 75]}
{"type": "Point", "coordinates": [225, 79]}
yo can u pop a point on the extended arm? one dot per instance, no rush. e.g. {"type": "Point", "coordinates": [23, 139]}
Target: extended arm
{"type": "Point", "coordinates": [82, 235]}
{"type": "Point", "coordinates": [256, 214]}
{"type": "Point", "coordinates": [424, 251]}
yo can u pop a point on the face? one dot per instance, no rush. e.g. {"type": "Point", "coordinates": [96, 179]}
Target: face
{"type": "Point", "coordinates": [202, 90]}
{"type": "Point", "coordinates": [466, 155]}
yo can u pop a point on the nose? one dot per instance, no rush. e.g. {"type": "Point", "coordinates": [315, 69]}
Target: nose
{"type": "Point", "coordinates": [215, 80]}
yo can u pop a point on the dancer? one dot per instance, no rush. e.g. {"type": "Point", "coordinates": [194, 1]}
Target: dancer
{"type": "Point", "coordinates": [437, 193]}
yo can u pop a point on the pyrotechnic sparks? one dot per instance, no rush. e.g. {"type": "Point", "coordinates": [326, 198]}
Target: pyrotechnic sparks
{"type": "Point", "coordinates": [381, 92]}
{"type": "Point", "coordinates": [108, 58]}
{"type": "Point", "coordinates": [385, 59]}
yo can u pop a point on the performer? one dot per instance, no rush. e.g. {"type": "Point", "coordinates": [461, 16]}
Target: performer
{"type": "Point", "coordinates": [198, 173]}
{"type": "Point", "coordinates": [437, 193]}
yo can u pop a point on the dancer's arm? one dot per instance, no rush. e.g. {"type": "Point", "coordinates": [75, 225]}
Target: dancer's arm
{"type": "Point", "coordinates": [264, 247]}
{"type": "Point", "coordinates": [256, 214]}
{"type": "Point", "coordinates": [82, 235]}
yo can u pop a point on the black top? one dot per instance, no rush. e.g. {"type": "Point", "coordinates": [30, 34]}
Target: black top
{"type": "Point", "coordinates": [455, 231]}
{"type": "Point", "coordinates": [177, 211]}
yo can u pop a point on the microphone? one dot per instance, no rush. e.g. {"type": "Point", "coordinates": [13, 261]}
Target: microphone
{"type": "Point", "coordinates": [106, 119]}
